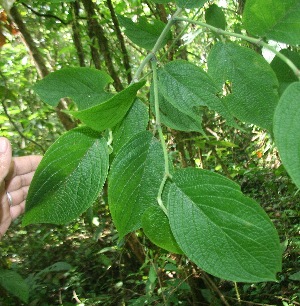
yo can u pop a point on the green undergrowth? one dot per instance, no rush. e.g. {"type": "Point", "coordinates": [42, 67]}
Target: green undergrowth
{"type": "Point", "coordinates": [83, 263]}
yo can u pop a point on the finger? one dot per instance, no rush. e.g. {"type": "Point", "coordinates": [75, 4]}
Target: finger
{"type": "Point", "coordinates": [23, 165]}
{"type": "Point", "coordinates": [5, 217]}
{"type": "Point", "coordinates": [4, 225]}
{"type": "Point", "coordinates": [19, 181]}
{"type": "Point", "coordinates": [5, 161]}
{"type": "Point", "coordinates": [16, 211]}
{"type": "Point", "coordinates": [5, 158]}
{"type": "Point", "coordinates": [19, 195]}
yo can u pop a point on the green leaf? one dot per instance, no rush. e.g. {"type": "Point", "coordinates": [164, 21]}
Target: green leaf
{"type": "Point", "coordinates": [7, 94]}
{"type": "Point", "coordinates": [253, 97]}
{"type": "Point", "coordinates": [174, 118]}
{"type": "Point", "coordinates": [157, 228]}
{"type": "Point", "coordinates": [14, 284]}
{"type": "Point", "coordinates": [85, 86]}
{"type": "Point", "coordinates": [273, 19]}
{"type": "Point", "coordinates": [134, 181]}
{"type": "Point", "coordinates": [222, 143]}
{"type": "Point", "coordinates": [295, 276]}
{"type": "Point", "coordinates": [68, 179]}
{"type": "Point", "coordinates": [187, 87]}
{"type": "Point", "coordinates": [109, 113]}
{"type": "Point", "coordinates": [56, 267]}
{"type": "Point", "coordinates": [215, 16]}
{"type": "Point", "coordinates": [135, 121]}
{"type": "Point", "coordinates": [287, 130]}
{"type": "Point", "coordinates": [161, 1]}
{"type": "Point", "coordinates": [222, 231]}
{"type": "Point", "coordinates": [284, 73]}
{"type": "Point", "coordinates": [144, 33]}
{"type": "Point", "coordinates": [190, 4]}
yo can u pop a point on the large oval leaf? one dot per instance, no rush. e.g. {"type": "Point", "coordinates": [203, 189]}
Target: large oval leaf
{"type": "Point", "coordinates": [215, 16]}
{"type": "Point", "coordinates": [175, 118]}
{"type": "Point", "coordinates": [254, 96]}
{"type": "Point", "coordinates": [187, 87]}
{"type": "Point", "coordinates": [135, 121]}
{"type": "Point", "coordinates": [189, 4]}
{"type": "Point", "coordinates": [222, 231]}
{"type": "Point", "coordinates": [85, 86]}
{"type": "Point", "coordinates": [273, 19]}
{"type": "Point", "coordinates": [134, 181]}
{"type": "Point", "coordinates": [144, 33]}
{"type": "Point", "coordinates": [109, 113]}
{"type": "Point", "coordinates": [284, 73]}
{"type": "Point", "coordinates": [68, 179]}
{"type": "Point", "coordinates": [14, 284]}
{"type": "Point", "coordinates": [287, 130]}
{"type": "Point", "coordinates": [156, 227]}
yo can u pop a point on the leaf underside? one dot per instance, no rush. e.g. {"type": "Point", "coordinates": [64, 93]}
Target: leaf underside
{"type": "Point", "coordinates": [183, 94]}
{"type": "Point", "coordinates": [273, 19]}
{"type": "Point", "coordinates": [253, 94]}
{"type": "Point", "coordinates": [190, 4]}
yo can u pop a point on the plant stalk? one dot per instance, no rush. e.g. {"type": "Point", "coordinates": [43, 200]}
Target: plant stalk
{"type": "Point", "coordinates": [253, 40]}
{"type": "Point", "coordinates": [156, 47]}
{"type": "Point", "coordinates": [161, 135]}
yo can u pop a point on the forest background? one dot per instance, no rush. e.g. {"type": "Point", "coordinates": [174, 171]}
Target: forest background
{"type": "Point", "coordinates": [83, 262]}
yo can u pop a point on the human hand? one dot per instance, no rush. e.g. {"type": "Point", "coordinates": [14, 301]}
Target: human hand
{"type": "Point", "coordinates": [15, 177]}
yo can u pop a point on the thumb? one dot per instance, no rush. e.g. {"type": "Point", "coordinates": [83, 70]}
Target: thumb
{"type": "Point", "coordinates": [5, 158]}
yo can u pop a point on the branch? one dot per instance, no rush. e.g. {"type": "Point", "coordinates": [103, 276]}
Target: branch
{"type": "Point", "coordinates": [17, 128]}
{"type": "Point", "coordinates": [45, 15]}
{"type": "Point", "coordinates": [256, 41]}
{"type": "Point", "coordinates": [13, 122]}
{"type": "Point", "coordinates": [76, 33]}
{"type": "Point", "coordinates": [161, 137]}
{"type": "Point", "coordinates": [215, 288]}
{"type": "Point", "coordinates": [39, 63]}
{"type": "Point", "coordinates": [156, 47]}
{"type": "Point", "coordinates": [121, 41]}
{"type": "Point", "coordinates": [28, 41]}
{"type": "Point", "coordinates": [89, 7]}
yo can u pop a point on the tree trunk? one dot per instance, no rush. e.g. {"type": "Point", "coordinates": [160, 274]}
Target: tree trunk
{"type": "Point", "coordinates": [98, 32]}
{"type": "Point", "coordinates": [76, 33]}
{"type": "Point", "coordinates": [121, 41]}
{"type": "Point", "coordinates": [39, 62]}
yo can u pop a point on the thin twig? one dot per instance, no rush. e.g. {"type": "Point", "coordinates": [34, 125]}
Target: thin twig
{"type": "Point", "coordinates": [249, 303]}
{"type": "Point", "coordinates": [156, 47]}
{"type": "Point", "coordinates": [45, 15]}
{"type": "Point", "coordinates": [215, 288]}
{"type": "Point", "coordinates": [75, 297]}
{"type": "Point", "coordinates": [17, 128]}
{"type": "Point", "coordinates": [237, 292]}
{"type": "Point", "coordinates": [253, 40]}
{"type": "Point", "coordinates": [12, 121]}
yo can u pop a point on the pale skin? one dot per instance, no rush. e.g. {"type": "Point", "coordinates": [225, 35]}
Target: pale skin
{"type": "Point", "coordinates": [15, 177]}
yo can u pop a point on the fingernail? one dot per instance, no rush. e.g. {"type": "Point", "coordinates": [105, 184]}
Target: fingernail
{"type": "Point", "coordinates": [3, 145]}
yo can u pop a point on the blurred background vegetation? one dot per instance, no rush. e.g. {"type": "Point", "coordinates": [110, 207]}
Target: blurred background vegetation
{"type": "Point", "coordinates": [82, 262]}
